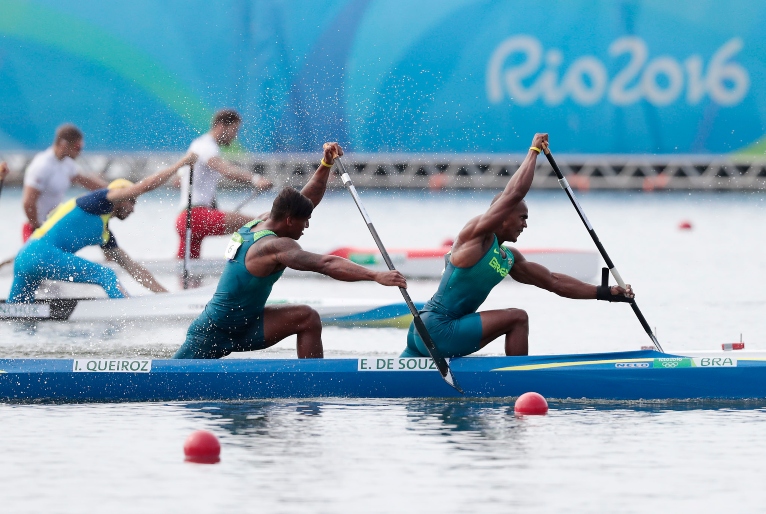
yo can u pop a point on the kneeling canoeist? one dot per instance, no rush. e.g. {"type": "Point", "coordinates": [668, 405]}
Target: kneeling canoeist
{"type": "Point", "coordinates": [81, 222]}
{"type": "Point", "coordinates": [237, 318]}
{"type": "Point", "coordinates": [478, 262]}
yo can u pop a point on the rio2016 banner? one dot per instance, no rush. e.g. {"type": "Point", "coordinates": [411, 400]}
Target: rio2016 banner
{"type": "Point", "coordinates": [457, 76]}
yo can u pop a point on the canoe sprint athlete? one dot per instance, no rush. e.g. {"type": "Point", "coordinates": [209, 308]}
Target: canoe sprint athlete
{"type": "Point", "coordinates": [81, 222]}
{"type": "Point", "coordinates": [237, 318]}
{"type": "Point", "coordinates": [478, 262]}
{"type": "Point", "coordinates": [207, 220]}
{"type": "Point", "coordinates": [50, 175]}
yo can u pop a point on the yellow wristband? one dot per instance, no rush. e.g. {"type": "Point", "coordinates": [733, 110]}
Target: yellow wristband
{"type": "Point", "coordinates": [325, 164]}
{"type": "Point", "coordinates": [535, 149]}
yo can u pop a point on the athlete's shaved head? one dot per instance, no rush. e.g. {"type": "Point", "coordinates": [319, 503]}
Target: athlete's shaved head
{"type": "Point", "coordinates": [522, 204]}
{"type": "Point", "coordinates": [69, 133]}
{"type": "Point", "coordinates": [290, 203]}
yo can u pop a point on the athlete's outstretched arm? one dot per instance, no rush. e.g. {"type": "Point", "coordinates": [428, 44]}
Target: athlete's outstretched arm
{"type": "Point", "coordinates": [234, 172]}
{"type": "Point", "coordinates": [563, 285]}
{"type": "Point", "coordinates": [151, 182]}
{"type": "Point", "coordinates": [138, 272]}
{"type": "Point", "coordinates": [290, 254]}
{"type": "Point", "coordinates": [89, 181]}
{"type": "Point", "coordinates": [514, 192]}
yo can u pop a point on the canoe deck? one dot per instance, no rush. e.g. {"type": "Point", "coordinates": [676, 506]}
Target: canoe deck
{"type": "Point", "coordinates": [643, 375]}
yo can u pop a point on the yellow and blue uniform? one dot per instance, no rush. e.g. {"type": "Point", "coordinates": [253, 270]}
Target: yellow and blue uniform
{"type": "Point", "coordinates": [450, 315]}
{"type": "Point", "coordinates": [233, 319]}
{"type": "Point", "coordinates": [49, 253]}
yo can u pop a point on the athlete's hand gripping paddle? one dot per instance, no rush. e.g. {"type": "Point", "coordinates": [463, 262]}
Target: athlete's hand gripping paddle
{"type": "Point", "coordinates": [187, 248]}
{"type": "Point", "coordinates": [616, 274]}
{"type": "Point", "coordinates": [441, 362]}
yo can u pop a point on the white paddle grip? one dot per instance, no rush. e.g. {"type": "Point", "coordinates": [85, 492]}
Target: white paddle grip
{"type": "Point", "coordinates": [618, 278]}
{"type": "Point", "coordinates": [346, 179]}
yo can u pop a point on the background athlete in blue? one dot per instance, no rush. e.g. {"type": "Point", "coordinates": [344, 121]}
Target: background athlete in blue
{"type": "Point", "coordinates": [50, 252]}
{"type": "Point", "coordinates": [478, 262]}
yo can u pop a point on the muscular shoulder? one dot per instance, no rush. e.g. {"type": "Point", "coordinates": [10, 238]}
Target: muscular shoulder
{"type": "Point", "coordinates": [470, 248]}
{"type": "Point", "coordinates": [517, 256]}
{"type": "Point", "coordinates": [271, 246]}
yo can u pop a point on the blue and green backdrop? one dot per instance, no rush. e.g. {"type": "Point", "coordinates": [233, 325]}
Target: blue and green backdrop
{"type": "Point", "coordinates": [612, 76]}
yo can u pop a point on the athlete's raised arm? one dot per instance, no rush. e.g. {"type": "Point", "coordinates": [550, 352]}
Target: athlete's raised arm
{"type": "Point", "coordinates": [509, 199]}
{"type": "Point", "coordinates": [317, 185]}
{"type": "Point", "coordinates": [289, 253]}
{"type": "Point", "coordinates": [149, 183]}
{"type": "Point", "coordinates": [315, 188]}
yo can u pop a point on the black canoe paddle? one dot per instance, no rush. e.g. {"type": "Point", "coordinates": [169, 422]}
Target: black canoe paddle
{"type": "Point", "coordinates": [616, 274]}
{"type": "Point", "coordinates": [439, 360]}
{"type": "Point", "coordinates": [187, 250]}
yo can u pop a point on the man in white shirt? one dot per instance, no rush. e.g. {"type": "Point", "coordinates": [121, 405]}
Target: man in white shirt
{"type": "Point", "coordinates": [206, 219]}
{"type": "Point", "coordinates": [50, 175]}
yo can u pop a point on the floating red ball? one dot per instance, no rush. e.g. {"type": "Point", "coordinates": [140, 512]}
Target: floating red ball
{"type": "Point", "coordinates": [531, 404]}
{"type": "Point", "coordinates": [685, 225]}
{"type": "Point", "coordinates": [202, 447]}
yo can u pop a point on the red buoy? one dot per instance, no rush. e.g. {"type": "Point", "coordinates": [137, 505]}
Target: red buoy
{"type": "Point", "coordinates": [202, 447]}
{"type": "Point", "coordinates": [531, 404]}
{"type": "Point", "coordinates": [685, 225]}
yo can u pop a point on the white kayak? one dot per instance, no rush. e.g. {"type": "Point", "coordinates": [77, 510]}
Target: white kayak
{"type": "Point", "coordinates": [413, 263]}
{"type": "Point", "coordinates": [187, 305]}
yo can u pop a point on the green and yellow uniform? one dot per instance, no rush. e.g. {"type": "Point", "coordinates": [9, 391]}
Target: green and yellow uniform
{"type": "Point", "coordinates": [233, 320]}
{"type": "Point", "coordinates": [450, 315]}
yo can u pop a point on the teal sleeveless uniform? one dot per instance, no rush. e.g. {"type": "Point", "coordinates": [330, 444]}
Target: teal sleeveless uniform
{"type": "Point", "coordinates": [233, 320]}
{"type": "Point", "coordinates": [450, 315]}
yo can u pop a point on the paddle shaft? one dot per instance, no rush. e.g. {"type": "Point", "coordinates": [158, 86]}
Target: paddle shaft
{"type": "Point", "coordinates": [1, 185]}
{"type": "Point", "coordinates": [439, 360]}
{"type": "Point", "coordinates": [187, 246]}
{"type": "Point", "coordinates": [613, 270]}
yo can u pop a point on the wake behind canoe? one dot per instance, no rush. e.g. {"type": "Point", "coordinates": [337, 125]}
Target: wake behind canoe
{"type": "Point", "coordinates": [643, 375]}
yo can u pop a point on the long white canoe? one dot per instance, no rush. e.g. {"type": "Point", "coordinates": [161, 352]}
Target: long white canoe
{"type": "Point", "coordinates": [413, 263]}
{"type": "Point", "coordinates": [187, 305]}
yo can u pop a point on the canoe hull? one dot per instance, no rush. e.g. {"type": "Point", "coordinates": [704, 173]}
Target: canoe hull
{"type": "Point", "coordinates": [615, 376]}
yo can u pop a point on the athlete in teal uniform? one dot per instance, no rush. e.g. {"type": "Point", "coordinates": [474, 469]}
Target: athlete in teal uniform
{"type": "Point", "coordinates": [81, 222]}
{"type": "Point", "coordinates": [237, 307]}
{"type": "Point", "coordinates": [237, 318]}
{"type": "Point", "coordinates": [478, 262]}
